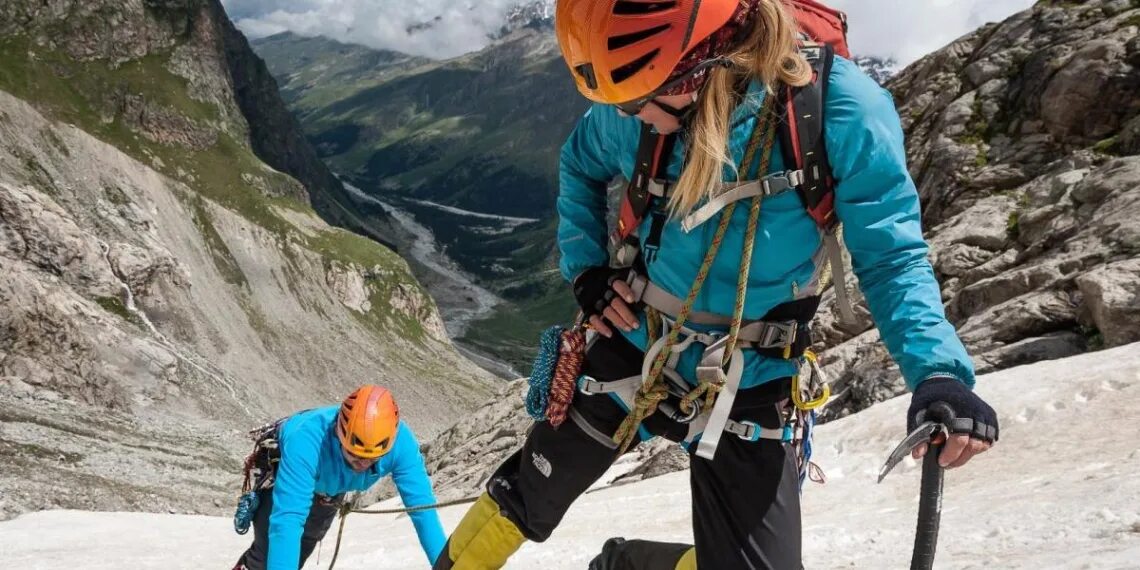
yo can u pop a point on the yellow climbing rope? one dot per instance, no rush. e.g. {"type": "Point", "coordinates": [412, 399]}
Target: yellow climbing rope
{"type": "Point", "coordinates": [653, 389]}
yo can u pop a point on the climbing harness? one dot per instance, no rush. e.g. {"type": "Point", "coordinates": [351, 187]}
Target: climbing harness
{"type": "Point", "coordinates": [721, 366]}
{"type": "Point", "coordinates": [704, 408]}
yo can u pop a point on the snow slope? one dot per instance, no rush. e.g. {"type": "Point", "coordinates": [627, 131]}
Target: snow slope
{"type": "Point", "coordinates": [1059, 491]}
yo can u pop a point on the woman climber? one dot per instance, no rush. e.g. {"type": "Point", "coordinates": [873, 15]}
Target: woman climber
{"type": "Point", "coordinates": [302, 467]}
{"type": "Point", "coordinates": [738, 136]}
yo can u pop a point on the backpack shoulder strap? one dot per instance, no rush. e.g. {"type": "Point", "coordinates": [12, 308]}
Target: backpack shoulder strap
{"type": "Point", "coordinates": [805, 147]}
{"type": "Point", "coordinates": [653, 152]}
{"type": "Point", "coordinates": [801, 134]}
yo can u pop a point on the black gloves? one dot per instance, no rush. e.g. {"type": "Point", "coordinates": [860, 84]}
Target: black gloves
{"type": "Point", "coordinates": [593, 289]}
{"type": "Point", "coordinates": [950, 402]}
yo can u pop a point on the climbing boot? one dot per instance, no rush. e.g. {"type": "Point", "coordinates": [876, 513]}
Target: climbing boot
{"type": "Point", "coordinates": [621, 554]}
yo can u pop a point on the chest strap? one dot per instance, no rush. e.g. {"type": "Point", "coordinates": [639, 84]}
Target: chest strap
{"type": "Point", "coordinates": [768, 186]}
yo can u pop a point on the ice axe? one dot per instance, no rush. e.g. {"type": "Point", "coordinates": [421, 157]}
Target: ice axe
{"type": "Point", "coordinates": [930, 496]}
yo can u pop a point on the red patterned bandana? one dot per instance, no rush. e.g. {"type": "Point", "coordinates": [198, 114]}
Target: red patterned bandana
{"type": "Point", "coordinates": [719, 43]}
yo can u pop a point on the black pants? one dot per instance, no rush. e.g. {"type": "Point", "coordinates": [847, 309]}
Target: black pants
{"type": "Point", "coordinates": [746, 512]}
{"type": "Point", "coordinates": [321, 516]}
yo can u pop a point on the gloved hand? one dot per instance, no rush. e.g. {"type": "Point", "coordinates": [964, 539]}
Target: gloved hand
{"type": "Point", "coordinates": [973, 424]}
{"type": "Point", "coordinates": [602, 292]}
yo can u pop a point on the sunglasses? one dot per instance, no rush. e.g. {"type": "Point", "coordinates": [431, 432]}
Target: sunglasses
{"type": "Point", "coordinates": [635, 106]}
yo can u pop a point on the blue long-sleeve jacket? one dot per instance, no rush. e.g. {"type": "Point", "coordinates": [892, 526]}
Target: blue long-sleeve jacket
{"type": "Point", "coordinates": [311, 462]}
{"type": "Point", "coordinates": [875, 199]}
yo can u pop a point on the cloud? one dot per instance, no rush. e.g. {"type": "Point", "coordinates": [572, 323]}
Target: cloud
{"type": "Point", "coordinates": [455, 27]}
{"type": "Point", "coordinates": [909, 29]}
{"type": "Point", "coordinates": [903, 29]}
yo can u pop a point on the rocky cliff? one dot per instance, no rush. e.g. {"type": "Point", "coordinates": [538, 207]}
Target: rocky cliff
{"type": "Point", "coordinates": [1023, 140]}
{"type": "Point", "coordinates": [165, 284]}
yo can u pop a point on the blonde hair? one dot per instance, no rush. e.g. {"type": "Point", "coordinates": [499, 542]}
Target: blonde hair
{"type": "Point", "coordinates": [770, 55]}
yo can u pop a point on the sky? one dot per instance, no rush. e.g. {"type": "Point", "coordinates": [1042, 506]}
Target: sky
{"type": "Point", "coordinates": [463, 25]}
{"type": "Point", "coordinates": [904, 30]}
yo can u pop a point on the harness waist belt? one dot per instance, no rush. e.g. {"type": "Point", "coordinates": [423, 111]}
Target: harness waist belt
{"type": "Point", "coordinates": [746, 430]}
{"type": "Point", "coordinates": [760, 334]}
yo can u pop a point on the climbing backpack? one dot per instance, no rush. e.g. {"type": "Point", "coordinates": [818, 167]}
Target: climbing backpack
{"type": "Point", "coordinates": [258, 472]}
{"type": "Point", "coordinates": [800, 132]}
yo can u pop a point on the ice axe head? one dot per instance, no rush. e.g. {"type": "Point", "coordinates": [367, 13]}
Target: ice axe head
{"type": "Point", "coordinates": [932, 428]}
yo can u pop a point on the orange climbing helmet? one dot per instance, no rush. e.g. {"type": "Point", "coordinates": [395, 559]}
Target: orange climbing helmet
{"type": "Point", "coordinates": [367, 422]}
{"type": "Point", "coordinates": [621, 50]}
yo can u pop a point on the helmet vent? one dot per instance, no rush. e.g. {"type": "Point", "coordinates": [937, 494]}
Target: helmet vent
{"type": "Point", "coordinates": [618, 42]}
{"type": "Point", "coordinates": [628, 70]}
{"type": "Point", "coordinates": [587, 72]}
{"type": "Point", "coordinates": [630, 8]}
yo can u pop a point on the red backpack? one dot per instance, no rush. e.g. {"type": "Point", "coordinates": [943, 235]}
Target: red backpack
{"type": "Point", "coordinates": [822, 24]}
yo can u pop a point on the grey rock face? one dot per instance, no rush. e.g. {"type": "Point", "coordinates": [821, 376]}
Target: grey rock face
{"type": "Point", "coordinates": [1112, 296]}
{"type": "Point", "coordinates": [1021, 142]}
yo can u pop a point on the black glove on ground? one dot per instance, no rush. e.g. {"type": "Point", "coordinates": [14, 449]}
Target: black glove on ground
{"type": "Point", "coordinates": [950, 402]}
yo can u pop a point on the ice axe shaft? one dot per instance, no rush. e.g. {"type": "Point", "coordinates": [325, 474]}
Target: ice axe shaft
{"type": "Point", "coordinates": [929, 511]}
{"type": "Point", "coordinates": [930, 494]}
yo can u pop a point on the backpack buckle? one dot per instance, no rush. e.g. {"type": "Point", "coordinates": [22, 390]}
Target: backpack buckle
{"type": "Point", "coordinates": [782, 182]}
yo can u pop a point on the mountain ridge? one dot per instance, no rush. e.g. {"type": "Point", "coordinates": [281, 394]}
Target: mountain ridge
{"type": "Point", "coordinates": [164, 287]}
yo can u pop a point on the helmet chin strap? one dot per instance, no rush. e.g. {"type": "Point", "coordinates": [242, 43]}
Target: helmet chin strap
{"type": "Point", "coordinates": [681, 114]}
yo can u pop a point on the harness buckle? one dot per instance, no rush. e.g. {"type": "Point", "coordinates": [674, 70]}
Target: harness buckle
{"type": "Point", "coordinates": [753, 432]}
{"type": "Point", "coordinates": [637, 283]}
{"type": "Point", "coordinates": [795, 177]}
{"type": "Point", "coordinates": [712, 374]}
{"type": "Point", "coordinates": [589, 385]}
{"type": "Point", "coordinates": [744, 429]}
{"type": "Point", "coordinates": [711, 367]}
{"type": "Point", "coordinates": [676, 414]}
{"type": "Point", "coordinates": [779, 335]}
